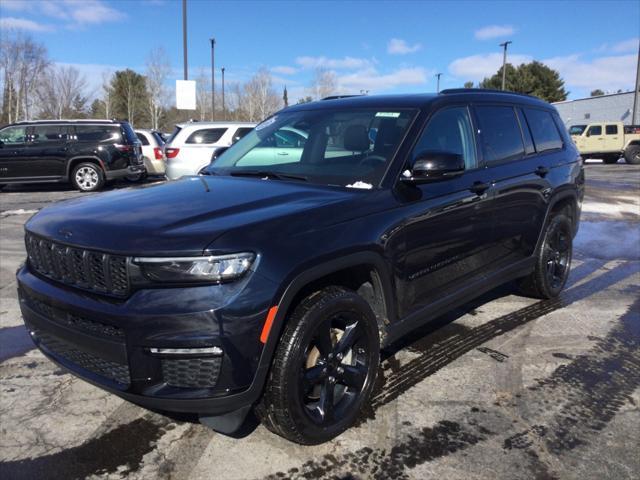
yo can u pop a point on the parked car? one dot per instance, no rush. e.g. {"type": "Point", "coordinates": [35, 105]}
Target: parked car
{"type": "Point", "coordinates": [193, 144]}
{"type": "Point", "coordinates": [275, 285]}
{"type": "Point", "coordinates": [86, 153]}
{"type": "Point", "coordinates": [152, 151]}
{"type": "Point", "coordinates": [608, 141]}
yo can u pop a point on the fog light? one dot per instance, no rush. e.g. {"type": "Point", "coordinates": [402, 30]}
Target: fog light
{"type": "Point", "coordinates": [187, 351]}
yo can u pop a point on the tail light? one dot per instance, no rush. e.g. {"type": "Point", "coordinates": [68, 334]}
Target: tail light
{"type": "Point", "coordinates": [157, 151]}
{"type": "Point", "coordinates": [124, 148]}
{"type": "Point", "coordinates": [171, 152]}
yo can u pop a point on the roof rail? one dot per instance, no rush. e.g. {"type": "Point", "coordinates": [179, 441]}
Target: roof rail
{"type": "Point", "coordinates": [338, 97]}
{"type": "Point", "coordinates": [484, 90]}
{"type": "Point", "coordinates": [73, 120]}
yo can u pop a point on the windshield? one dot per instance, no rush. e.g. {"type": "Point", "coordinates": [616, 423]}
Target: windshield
{"type": "Point", "coordinates": [576, 129]}
{"type": "Point", "coordinates": [329, 147]}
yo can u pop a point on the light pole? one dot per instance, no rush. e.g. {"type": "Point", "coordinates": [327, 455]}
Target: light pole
{"type": "Point", "coordinates": [224, 108]}
{"type": "Point", "coordinates": [438, 75]}
{"type": "Point", "coordinates": [213, 79]}
{"type": "Point", "coordinates": [184, 38]}
{"type": "Point", "coordinates": [504, 63]}
{"type": "Point", "coordinates": [635, 93]}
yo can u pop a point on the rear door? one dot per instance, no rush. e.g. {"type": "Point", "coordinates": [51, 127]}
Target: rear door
{"type": "Point", "coordinates": [613, 138]}
{"type": "Point", "coordinates": [200, 144]}
{"type": "Point", "coordinates": [46, 150]}
{"type": "Point", "coordinates": [519, 147]}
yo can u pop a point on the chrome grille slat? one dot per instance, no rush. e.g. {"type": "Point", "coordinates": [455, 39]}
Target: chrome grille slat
{"type": "Point", "coordinates": [87, 269]}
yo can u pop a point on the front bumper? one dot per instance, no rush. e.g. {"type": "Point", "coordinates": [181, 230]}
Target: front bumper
{"type": "Point", "coordinates": [108, 343]}
{"type": "Point", "coordinates": [125, 172]}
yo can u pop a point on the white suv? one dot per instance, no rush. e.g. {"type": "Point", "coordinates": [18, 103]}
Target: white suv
{"type": "Point", "coordinates": [192, 145]}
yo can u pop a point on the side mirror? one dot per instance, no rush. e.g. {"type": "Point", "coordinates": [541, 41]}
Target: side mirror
{"type": "Point", "coordinates": [434, 165]}
{"type": "Point", "coordinates": [217, 152]}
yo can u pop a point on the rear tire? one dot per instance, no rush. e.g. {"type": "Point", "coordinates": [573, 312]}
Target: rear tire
{"type": "Point", "coordinates": [632, 155]}
{"type": "Point", "coordinates": [324, 368]}
{"type": "Point", "coordinates": [87, 177]}
{"type": "Point", "coordinates": [553, 260]}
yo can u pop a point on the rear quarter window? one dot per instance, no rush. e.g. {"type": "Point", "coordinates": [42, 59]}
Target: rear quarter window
{"type": "Point", "coordinates": [500, 135]}
{"type": "Point", "coordinates": [543, 129]}
{"type": "Point", "coordinates": [98, 133]}
{"type": "Point", "coordinates": [206, 135]}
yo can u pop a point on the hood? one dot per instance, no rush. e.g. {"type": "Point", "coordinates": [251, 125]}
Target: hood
{"type": "Point", "coordinates": [182, 216]}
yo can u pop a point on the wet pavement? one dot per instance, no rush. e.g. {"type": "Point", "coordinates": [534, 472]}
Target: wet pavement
{"type": "Point", "coordinates": [505, 387]}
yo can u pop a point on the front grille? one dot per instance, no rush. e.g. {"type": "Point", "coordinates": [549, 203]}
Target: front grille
{"type": "Point", "coordinates": [71, 320]}
{"type": "Point", "coordinates": [86, 269]}
{"type": "Point", "coordinates": [191, 372]}
{"type": "Point", "coordinates": [114, 371]}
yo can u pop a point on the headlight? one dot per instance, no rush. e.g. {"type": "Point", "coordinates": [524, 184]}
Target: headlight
{"type": "Point", "coordinates": [214, 269]}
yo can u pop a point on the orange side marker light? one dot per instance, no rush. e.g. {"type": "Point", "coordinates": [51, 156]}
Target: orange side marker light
{"type": "Point", "coordinates": [268, 323]}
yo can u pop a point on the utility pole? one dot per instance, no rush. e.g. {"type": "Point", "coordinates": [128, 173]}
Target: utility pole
{"type": "Point", "coordinates": [224, 108]}
{"type": "Point", "coordinates": [504, 63]}
{"type": "Point", "coordinates": [184, 38]}
{"type": "Point", "coordinates": [213, 79]}
{"type": "Point", "coordinates": [438, 75]}
{"type": "Point", "coordinates": [635, 93]}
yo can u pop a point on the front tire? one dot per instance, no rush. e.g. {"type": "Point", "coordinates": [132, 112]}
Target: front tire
{"type": "Point", "coordinates": [632, 155]}
{"type": "Point", "coordinates": [324, 368]}
{"type": "Point", "coordinates": [553, 260]}
{"type": "Point", "coordinates": [87, 177]}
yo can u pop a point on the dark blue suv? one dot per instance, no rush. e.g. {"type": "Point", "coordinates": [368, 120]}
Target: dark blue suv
{"type": "Point", "coordinates": [273, 279]}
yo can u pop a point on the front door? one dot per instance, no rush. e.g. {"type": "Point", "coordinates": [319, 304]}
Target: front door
{"type": "Point", "coordinates": [448, 233]}
{"type": "Point", "coordinates": [12, 145]}
{"type": "Point", "coordinates": [592, 141]}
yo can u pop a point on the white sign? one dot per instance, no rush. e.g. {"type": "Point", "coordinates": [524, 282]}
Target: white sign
{"type": "Point", "coordinates": [186, 94]}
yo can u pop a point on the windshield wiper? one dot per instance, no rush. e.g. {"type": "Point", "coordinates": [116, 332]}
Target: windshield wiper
{"type": "Point", "coordinates": [268, 174]}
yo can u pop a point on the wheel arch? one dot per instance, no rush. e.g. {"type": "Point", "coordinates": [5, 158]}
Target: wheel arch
{"type": "Point", "coordinates": [75, 161]}
{"type": "Point", "coordinates": [567, 201]}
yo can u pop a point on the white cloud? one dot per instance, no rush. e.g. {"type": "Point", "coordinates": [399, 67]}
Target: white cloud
{"type": "Point", "coordinates": [71, 13]}
{"type": "Point", "coordinates": [494, 31]}
{"type": "Point", "coordinates": [370, 79]}
{"type": "Point", "coordinates": [397, 46]}
{"type": "Point", "coordinates": [630, 45]}
{"type": "Point", "coordinates": [7, 23]}
{"type": "Point", "coordinates": [477, 67]}
{"type": "Point", "coordinates": [337, 63]}
{"type": "Point", "coordinates": [608, 73]}
{"type": "Point", "coordinates": [284, 70]}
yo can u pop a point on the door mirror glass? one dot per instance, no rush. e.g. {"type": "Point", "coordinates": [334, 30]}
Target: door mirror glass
{"type": "Point", "coordinates": [435, 165]}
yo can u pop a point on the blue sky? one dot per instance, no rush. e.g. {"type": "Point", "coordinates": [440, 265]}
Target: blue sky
{"type": "Point", "coordinates": [380, 46]}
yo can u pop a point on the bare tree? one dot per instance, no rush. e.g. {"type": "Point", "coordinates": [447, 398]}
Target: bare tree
{"type": "Point", "coordinates": [62, 93]}
{"type": "Point", "coordinates": [106, 90]}
{"type": "Point", "coordinates": [22, 61]}
{"type": "Point", "coordinates": [203, 95]}
{"type": "Point", "coordinates": [158, 69]}
{"type": "Point", "coordinates": [260, 98]}
{"type": "Point", "coordinates": [324, 83]}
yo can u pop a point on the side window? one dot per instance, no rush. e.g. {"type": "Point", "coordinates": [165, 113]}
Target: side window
{"type": "Point", "coordinates": [48, 133]}
{"type": "Point", "coordinates": [98, 133]}
{"type": "Point", "coordinates": [241, 132]}
{"type": "Point", "coordinates": [526, 133]}
{"type": "Point", "coordinates": [500, 135]}
{"type": "Point", "coordinates": [611, 129]}
{"type": "Point", "coordinates": [206, 135]}
{"type": "Point", "coordinates": [449, 130]}
{"type": "Point", "coordinates": [288, 139]}
{"type": "Point", "coordinates": [545, 133]}
{"type": "Point", "coordinates": [143, 138]}
{"type": "Point", "coordinates": [594, 130]}
{"type": "Point", "coordinates": [13, 135]}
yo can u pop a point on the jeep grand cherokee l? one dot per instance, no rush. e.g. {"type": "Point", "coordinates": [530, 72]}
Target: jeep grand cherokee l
{"type": "Point", "coordinates": [85, 153]}
{"type": "Point", "coordinates": [275, 285]}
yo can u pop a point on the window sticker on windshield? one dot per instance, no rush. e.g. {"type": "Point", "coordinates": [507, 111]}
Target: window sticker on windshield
{"type": "Point", "coordinates": [388, 114]}
{"type": "Point", "coordinates": [266, 123]}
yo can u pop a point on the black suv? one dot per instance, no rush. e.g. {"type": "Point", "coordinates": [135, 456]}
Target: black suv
{"type": "Point", "coordinates": [86, 153]}
{"type": "Point", "coordinates": [274, 279]}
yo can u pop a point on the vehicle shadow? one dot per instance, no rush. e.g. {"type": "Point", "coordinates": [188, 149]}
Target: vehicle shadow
{"type": "Point", "coordinates": [65, 187]}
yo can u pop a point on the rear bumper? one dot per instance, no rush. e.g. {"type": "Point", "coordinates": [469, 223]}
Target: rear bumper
{"type": "Point", "coordinates": [109, 344]}
{"type": "Point", "coordinates": [154, 167]}
{"type": "Point", "coordinates": [124, 172]}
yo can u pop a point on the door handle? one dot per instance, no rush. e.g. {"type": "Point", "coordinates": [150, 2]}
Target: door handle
{"type": "Point", "coordinates": [479, 187]}
{"type": "Point", "coordinates": [541, 171]}
{"type": "Point", "coordinates": [283, 153]}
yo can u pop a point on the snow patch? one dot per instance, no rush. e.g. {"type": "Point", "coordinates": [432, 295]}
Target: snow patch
{"type": "Point", "coordinates": [21, 211]}
{"type": "Point", "coordinates": [614, 210]}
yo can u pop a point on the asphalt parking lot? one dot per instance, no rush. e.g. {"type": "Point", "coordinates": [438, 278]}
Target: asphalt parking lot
{"type": "Point", "coordinates": [505, 387]}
